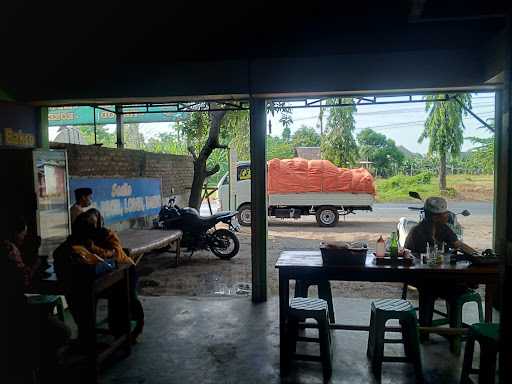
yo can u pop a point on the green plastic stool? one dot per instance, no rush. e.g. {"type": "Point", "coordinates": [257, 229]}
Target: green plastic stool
{"type": "Point", "coordinates": [454, 306]}
{"type": "Point", "coordinates": [403, 311]}
{"type": "Point", "coordinates": [300, 309]}
{"type": "Point", "coordinates": [51, 302]}
{"type": "Point", "coordinates": [487, 335]}
{"type": "Point", "coordinates": [453, 317]}
{"type": "Point", "coordinates": [324, 293]}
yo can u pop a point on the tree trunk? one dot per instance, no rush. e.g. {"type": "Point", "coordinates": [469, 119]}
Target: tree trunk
{"type": "Point", "coordinates": [442, 172]}
{"type": "Point", "coordinates": [200, 170]}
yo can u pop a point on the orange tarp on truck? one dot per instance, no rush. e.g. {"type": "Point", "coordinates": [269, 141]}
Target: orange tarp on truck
{"type": "Point", "coordinates": [300, 175]}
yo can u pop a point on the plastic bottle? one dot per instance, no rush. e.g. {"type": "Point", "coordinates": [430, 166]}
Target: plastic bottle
{"type": "Point", "coordinates": [380, 249]}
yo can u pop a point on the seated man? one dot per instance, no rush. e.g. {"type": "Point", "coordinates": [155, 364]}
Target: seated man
{"type": "Point", "coordinates": [83, 199]}
{"type": "Point", "coordinates": [433, 229]}
{"type": "Point", "coordinates": [33, 336]}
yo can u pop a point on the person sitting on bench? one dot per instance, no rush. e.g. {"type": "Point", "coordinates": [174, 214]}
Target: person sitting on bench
{"type": "Point", "coordinates": [93, 245]}
{"type": "Point", "coordinates": [83, 199]}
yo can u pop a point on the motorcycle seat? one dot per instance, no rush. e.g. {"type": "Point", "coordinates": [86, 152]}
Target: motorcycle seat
{"type": "Point", "coordinates": [218, 215]}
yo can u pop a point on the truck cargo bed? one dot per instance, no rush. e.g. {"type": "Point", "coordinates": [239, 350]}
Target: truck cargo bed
{"type": "Point", "coordinates": [345, 199]}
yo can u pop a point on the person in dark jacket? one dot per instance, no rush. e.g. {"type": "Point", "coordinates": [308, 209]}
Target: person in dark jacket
{"type": "Point", "coordinates": [33, 335]}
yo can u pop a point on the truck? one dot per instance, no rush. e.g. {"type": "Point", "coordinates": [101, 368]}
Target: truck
{"type": "Point", "coordinates": [326, 206]}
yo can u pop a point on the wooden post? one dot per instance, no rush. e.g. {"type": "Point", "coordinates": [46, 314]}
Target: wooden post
{"type": "Point", "coordinates": [258, 200]}
{"type": "Point", "coordinates": [119, 127]}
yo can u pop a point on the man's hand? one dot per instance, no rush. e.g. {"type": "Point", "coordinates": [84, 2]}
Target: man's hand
{"type": "Point", "coordinates": [465, 248]}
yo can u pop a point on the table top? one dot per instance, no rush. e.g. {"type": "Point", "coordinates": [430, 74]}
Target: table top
{"type": "Point", "coordinates": [50, 284]}
{"type": "Point", "coordinates": [312, 259]}
{"type": "Point", "coordinates": [138, 241]}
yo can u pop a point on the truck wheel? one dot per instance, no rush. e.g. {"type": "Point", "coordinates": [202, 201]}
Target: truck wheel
{"type": "Point", "coordinates": [327, 217]}
{"type": "Point", "coordinates": [244, 215]}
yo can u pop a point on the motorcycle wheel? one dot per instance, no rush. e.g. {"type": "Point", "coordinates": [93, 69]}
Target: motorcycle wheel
{"type": "Point", "coordinates": [224, 244]}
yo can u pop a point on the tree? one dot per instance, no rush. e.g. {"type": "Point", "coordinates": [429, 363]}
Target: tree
{"type": "Point", "coordinates": [103, 136]}
{"type": "Point", "coordinates": [384, 154]}
{"type": "Point", "coordinates": [444, 129]}
{"type": "Point", "coordinates": [305, 137]}
{"type": "Point", "coordinates": [168, 142]}
{"type": "Point", "coordinates": [287, 133]}
{"type": "Point", "coordinates": [201, 149]}
{"type": "Point", "coordinates": [338, 144]}
{"type": "Point", "coordinates": [204, 133]}
{"type": "Point", "coordinates": [278, 148]}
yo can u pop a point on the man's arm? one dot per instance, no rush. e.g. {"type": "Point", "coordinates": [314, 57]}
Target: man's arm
{"type": "Point", "coordinates": [464, 247]}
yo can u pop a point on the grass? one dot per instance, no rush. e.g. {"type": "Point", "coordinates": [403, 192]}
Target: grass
{"type": "Point", "coordinates": [460, 187]}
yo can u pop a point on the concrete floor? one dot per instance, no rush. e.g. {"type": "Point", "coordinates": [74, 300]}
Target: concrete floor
{"type": "Point", "coordinates": [230, 340]}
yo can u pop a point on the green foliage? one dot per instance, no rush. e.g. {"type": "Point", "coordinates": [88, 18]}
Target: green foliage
{"type": "Point", "coordinates": [444, 125]}
{"type": "Point", "coordinates": [384, 154]}
{"type": "Point", "coordinates": [168, 142]}
{"type": "Point", "coordinates": [444, 129]}
{"type": "Point", "coordinates": [103, 136]}
{"type": "Point", "coordinates": [195, 129]}
{"type": "Point", "coordinates": [482, 156]}
{"type": "Point", "coordinates": [287, 133]}
{"type": "Point", "coordinates": [338, 143]}
{"type": "Point", "coordinates": [305, 137]}
{"type": "Point", "coordinates": [235, 132]}
{"type": "Point", "coordinates": [397, 188]}
{"type": "Point", "coordinates": [278, 148]}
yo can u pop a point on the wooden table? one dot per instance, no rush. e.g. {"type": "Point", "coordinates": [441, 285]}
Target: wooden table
{"type": "Point", "coordinates": [137, 242]}
{"type": "Point", "coordinates": [118, 280]}
{"type": "Point", "coordinates": [308, 265]}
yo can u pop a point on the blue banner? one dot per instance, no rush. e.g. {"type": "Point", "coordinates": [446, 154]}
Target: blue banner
{"type": "Point", "coordinates": [121, 199]}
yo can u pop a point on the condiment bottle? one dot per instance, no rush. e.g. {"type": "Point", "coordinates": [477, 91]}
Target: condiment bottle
{"type": "Point", "coordinates": [380, 249]}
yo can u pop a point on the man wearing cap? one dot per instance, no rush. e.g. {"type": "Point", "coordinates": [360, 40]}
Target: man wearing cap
{"type": "Point", "coordinates": [83, 199]}
{"type": "Point", "coordinates": [433, 229]}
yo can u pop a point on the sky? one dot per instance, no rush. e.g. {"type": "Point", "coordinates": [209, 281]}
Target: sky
{"type": "Point", "coordinates": [401, 122]}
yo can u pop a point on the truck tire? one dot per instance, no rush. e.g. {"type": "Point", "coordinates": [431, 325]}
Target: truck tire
{"type": "Point", "coordinates": [327, 216]}
{"type": "Point", "coordinates": [244, 215]}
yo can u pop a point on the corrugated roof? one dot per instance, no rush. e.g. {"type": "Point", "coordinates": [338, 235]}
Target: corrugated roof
{"type": "Point", "coordinates": [308, 153]}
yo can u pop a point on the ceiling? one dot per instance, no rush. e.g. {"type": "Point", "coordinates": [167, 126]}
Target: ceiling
{"type": "Point", "coordinates": [75, 52]}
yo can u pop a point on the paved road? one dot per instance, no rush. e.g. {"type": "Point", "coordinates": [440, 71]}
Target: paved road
{"type": "Point", "coordinates": [397, 209]}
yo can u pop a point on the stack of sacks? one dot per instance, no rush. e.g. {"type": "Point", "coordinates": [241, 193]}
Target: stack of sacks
{"type": "Point", "coordinates": [299, 175]}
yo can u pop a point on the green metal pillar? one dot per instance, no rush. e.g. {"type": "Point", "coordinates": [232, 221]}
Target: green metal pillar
{"type": "Point", "coordinates": [119, 127]}
{"type": "Point", "coordinates": [503, 201]}
{"type": "Point", "coordinates": [258, 199]}
{"type": "Point", "coordinates": [42, 135]}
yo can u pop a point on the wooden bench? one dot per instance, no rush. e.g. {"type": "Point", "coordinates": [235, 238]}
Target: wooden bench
{"type": "Point", "coordinates": [137, 242]}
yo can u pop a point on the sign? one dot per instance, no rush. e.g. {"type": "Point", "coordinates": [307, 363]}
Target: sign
{"type": "Point", "coordinates": [121, 199]}
{"type": "Point", "coordinates": [18, 125]}
{"type": "Point", "coordinates": [85, 115]}
{"type": "Point", "coordinates": [12, 137]}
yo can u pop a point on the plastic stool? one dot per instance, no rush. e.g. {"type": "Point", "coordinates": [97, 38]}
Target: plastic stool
{"type": "Point", "coordinates": [487, 335]}
{"type": "Point", "coordinates": [324, 292]}
{"type": "Point", "coordinates": [454, 306]}
{"type": "Point", "coordinates": [401, 310]}
{"type": "Point", "coordinates": [308, 308]}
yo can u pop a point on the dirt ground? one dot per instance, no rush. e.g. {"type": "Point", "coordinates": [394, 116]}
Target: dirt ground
{"type": "Point", "coordinates": [203, 274]}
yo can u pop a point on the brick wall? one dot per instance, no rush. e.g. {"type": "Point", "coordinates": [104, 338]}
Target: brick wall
{"type": "Point", "coordinates": [175, 171]}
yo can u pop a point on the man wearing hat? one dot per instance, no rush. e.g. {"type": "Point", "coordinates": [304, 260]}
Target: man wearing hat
{"type": "Point", "coordinates": [433, 229]}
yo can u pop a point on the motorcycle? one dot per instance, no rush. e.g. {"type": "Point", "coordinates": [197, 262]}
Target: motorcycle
{"type": "Point", "coordinates": [200, 232]}
{"type": "Point", "coordinates": [405, 225]}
